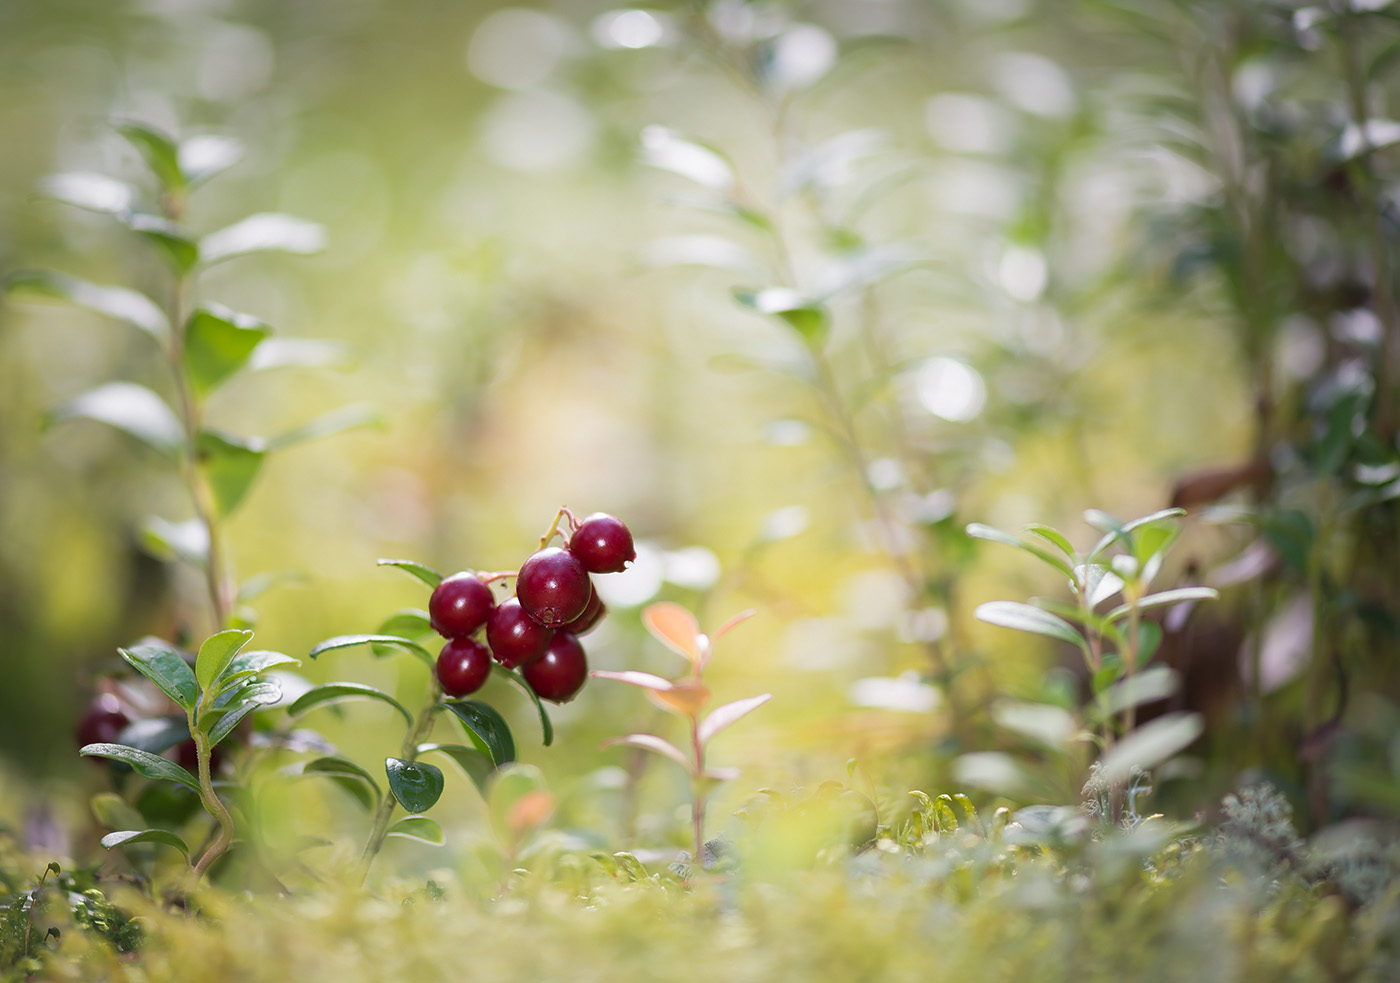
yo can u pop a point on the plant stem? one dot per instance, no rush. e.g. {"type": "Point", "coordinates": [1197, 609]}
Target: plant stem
{"type": "Point", "coordinates": [422, 725]}
{"type": "Point", "coordinates": [697, 794]}
{"type": "Point", "coordinates": [210, 800]}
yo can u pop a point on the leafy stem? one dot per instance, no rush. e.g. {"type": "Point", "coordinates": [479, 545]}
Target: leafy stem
{"type": "Point", "coordinates": [408, 751]}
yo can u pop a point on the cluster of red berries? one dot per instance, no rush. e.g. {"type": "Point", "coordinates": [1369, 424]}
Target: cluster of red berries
{"type": "Point", "coordinates": [537, 630]}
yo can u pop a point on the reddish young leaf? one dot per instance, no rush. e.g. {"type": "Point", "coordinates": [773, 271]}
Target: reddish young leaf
{"type": "Point", "coordinates": [721, 717]}
{"type": "Point", "coordinates": [673, 626]}
{"type": "Point", "coordinates": [654, 744]}
{"type": "Point", "coordinates": [630, 676]}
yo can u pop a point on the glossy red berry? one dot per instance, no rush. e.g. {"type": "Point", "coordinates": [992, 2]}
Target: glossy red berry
{"type": "Point", "coordinates": [553, 587]}
{"type": "Point", "coordinates": [560, 673]}
{"type": "Point", "coordinates": [102, 721]}
{"type": "Point", "coordinates": [462, 666]}
{"type": "Point", "coordinates": [515, 638]}
{"type": "Point", "coordinates": [587, 621]}
{"type": "Point", "coordinates": [603, 544]}
{"type": "Point", "coordinates": [460, 605]}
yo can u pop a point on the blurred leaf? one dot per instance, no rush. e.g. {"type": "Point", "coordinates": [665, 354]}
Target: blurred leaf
{"type": "Point", "coordinates": [1150, 745]}
{"type": "Point", "coordinates": [91, 192]}
{"type": "Point", "coordinates": [336, 421]}
{"type": "Point", "coordinates": [143, 763]}
{"type": "Point", "coordinates": [1356, 141]}
{"type": "Point", "coordinates": [162, 836]}
{"type": "Point", "coordinates": [546, 727]}
{"type": "Point", "coordinates": [945, 820]}
{"type": "Point", "coordinates": [218, 342]}
{"type": "Point", "coordinates": [1155, 517]}
{"type": "Point", "coordinates": [1107, 674]}
{"type": "Point", "coordinates": [216, 653]}
{"type": "Point", "coordinates": [406, 623]}
{"type": "Point", "coordinates": [248, 664]}
{"type": "Point", "coordinates": [1097, 582]}
{"type": "Point", "coordinates": [486, 727]}
{"type": "Point", "coordinates": [158, 149]}
{"type": "Point", "coordinates": [266, 231]}
{"type": "Point", "coordinates": [165, 540]}
{"type": "Point", "coordinates": [1023, 617]}
{"type": "Point", "coordinates": [1055, 538]}
{"type": "Point", "coordinates": [979, 531]}
{"type": "Point", "coordinates": [733, 622]}
{"type": "Point", "coordinates": [201, 158]}
{"type": "Point", "coordinates": [656, 745]}
{"type": "Point", "coordinates": [803, 314]}
{"type": "Point", "coordinates": [424, 573]}
{"type": "Point", "coordinates": [476, 764]}
{"type": "Point", "coordinates": [131, 408]}
{"type": "Point", "coordinates": [111, 810]}
{"type": "Point", "coordinates": [663, 148]}
{"type": "Point", "coordinates": [1052, 726]}
{"type": "Point", "coordinates": [685, 699]}
{"type": "Point", "coordinates": [509, 785]}
{"type": "Point", "coordinates": [416, 785]}
{"type": "Point", "coordinates": [348, 776]}
{"type": "Point", "coordinates": [276, 353]}
{"type": "Point", "coordinates": [632, 677]}
{"type": "Point", "coordinates": [255, 695]}
{"type": "Point", "coordinates": [1148, 686]}
{"type": "Point", "coordinates": [969, 811]}
{"type": "Point", "coordinates": [994, 771]}
{"type": "Point", "coordinates": [722, 716]}
{"type": "Point", "coordinates": [230, 465]}
{"type": "Point", "coordinates": [173, 242]}
{"type": "Point", "coordinates": [337, 692]}
{"type": "Point", "coordinates": [419, 828]}
{"type": "Point", "coordinates": [165, 667]}
{"type": "Point", "coordinates": [131, 306]}
{"type": "Point", "coordinates": [829, 162]}
{"type": "Point", "coordinates": [155, 734]}
{"type": "Point", "coordinates": [715, 252]}
{"type": "Point", "coordinates": [349, 641]}
{"type": "Point", "coordinates": [1165, 598]}
{"type": "Point", "coordinates": [673, 626]}
{"type": "Point", "coordinates": [260, 583]}
{"type": "Point", "coordinates": [1291, 533]}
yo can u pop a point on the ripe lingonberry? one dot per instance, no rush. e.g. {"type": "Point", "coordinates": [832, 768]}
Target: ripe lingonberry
{"type": "Point", "coordinates": [603, 544]}
{"type": "Point", "coordinates": [560, 673]}
{"type": "Point", "coordinates": [553, 587]}
{"type": "Point", "coordinates": [460, 605]}
{"type": "Point", "coordinates": [102, 721]}
{"type": "Point", "coordinates": [586, 622]}
{"type": "Point", "coordinates": [515, 638]}
{"type": "Point", "coordinates": [462, 666]}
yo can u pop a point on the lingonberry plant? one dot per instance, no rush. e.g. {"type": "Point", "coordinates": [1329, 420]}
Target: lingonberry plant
{"type": "Point", "coordinates": [203, 346]}
{"type": "Point", "coordinates": [530, 638]}
{"type": "Point", "coordinates": [686, 697]}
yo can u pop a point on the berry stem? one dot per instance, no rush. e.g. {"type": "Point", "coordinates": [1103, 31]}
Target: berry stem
{"type": "Point", "coordinates": [491, 576]}
{"type": "Point", "coordinates": [553, 529]}
{"type": "Point", "coordinates": [422, 725]}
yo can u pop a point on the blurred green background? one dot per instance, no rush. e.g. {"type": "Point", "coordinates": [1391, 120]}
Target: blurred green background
{"type": "Point", "coordinates": [544, 317]}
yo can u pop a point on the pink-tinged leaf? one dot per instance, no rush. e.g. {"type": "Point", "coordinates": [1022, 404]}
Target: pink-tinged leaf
{"type": "Point", "coordinates": [633, 678]}
{"type": "Point", "coordinates": [682, 699]}
{"type": "Point", "coordinates": [673, 626]}
{"type": "Point", "coordinates": [649, 743]}
{"type": "Point", "coordinates": [722, 716]}
{"type": "Point", "coordinates": [733, 623]}
{"type": "Point", "coordinates": [721, 774]}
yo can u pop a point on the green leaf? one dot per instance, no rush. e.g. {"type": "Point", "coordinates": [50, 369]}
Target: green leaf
{"type": "Point", "coordinates": [969, 810]}
{"type": "Point", "coordinates": [163, 836]}
{"type": "Point", "coordinates": [261, 695]}
{"type": "Point", "coordinates": [416, 785]}
{"type": "Point", "coordinates": [509, 785]}
{"type": "Point", "coordinates": [1165, 598]}
{"type": "Point", "coordinates": [231, 465]}
{"type": "Point", "coordinates": [336, 692]}
{"type": "Point", "coordinates": [1107, 674]}
{"type": "Point", "coordinates": [155, 734]}
{"type": "Point", "coordinates": [654, 744]}
{"type": "Point", "coordinates": [1150, 745]}
{"type": "Point", "coordinates": [476, 764]}
{"type": "Point", "coordinates": [266, 231]}
{"type": "Point", "coordinates": [131, 408]}
{"type": "Point", "coordinates": [1024, 617]}
{"type": "Point", "coordinates": [349, 776]}
{"type": "Point", "coordinates": [419, 828]}
{"type": "Point", "coordinates": [349, 641]}
{"type": "Point", "coordinates": [519, 680]}
{"type": "Point", "coordinates": [216, 653]}
{"type": "Point", "coordinates": [248, 664]}
{"type": "Point", "coordinates": [334, 422]}
{"type": "Point", "coordinates": [1154, 684]}
{"type": "Point", "coordinates": [218, 342]}
{"type": "Point", "coordinates": [263, 692]}
{"type": "Point", "coordinates": [1153, 517]}
{"type": "Point", "coordinates": [90, 192]}
{"type": "Point", "coordinates": [165, 667]}
{"type": "Point", "coordinates": [803, 314]}
{"type": "Point", "coordinates": [426, 574]}
{"type": "Point", "coordinates": [944, 817]}
{"type": "Point", "coordinates": [171, 240]}
{"type": "Point", "coordinates": [165, 540]}
{"type": "Point", "coordinates": [667, 150]}
{"type": "Point", "coordinates": [404, 623]}
{"type": "Point", "coordinates": [201, 158]}
{"type": "Point", "coordinates": [979, 531]}
{"type": "Point", "coordinates": [143, 763]}
{"type": "Point", "coordinates": [1054, 537]}
{"type": "Point", "coordinates": [131, 306]}
{"type": "Point", "coordinates": [158, 149]}
{"type": "Point", "coordinates": [277, 353]}
{"type": "Point", "coordinates": [486, 728]}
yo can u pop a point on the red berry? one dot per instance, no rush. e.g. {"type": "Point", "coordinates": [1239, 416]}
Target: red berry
{"type": "Point", "coordinates": [102, 721]}
{"type": "Point", "coordinates": [515, 638]}
{"type": "Point", "coordinates": [460, 605]}
{"type": "Point", "coordinates": [603, 544]}
{"type": "Point", "coordinates": [553, 587]}
{"type": "Point", "coordinates": [463, 666]}
{"type": "Point", "coordinates": [587, 621]}
{"type": "Point", "coordinates": [560, 673]}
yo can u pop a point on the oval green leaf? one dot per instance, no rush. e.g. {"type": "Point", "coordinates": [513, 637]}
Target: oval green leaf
{"type": "Point", "coordinates": [415, 785]}
{"type": "Point", "coordinates": [163, 836]}
{"type": "Point", "coordinates": [130, 408]}
{"type": "Point", "coordinates": [476, 764]}
{"type": "Point", "coordinates": [166, 540]}
{"type": "Point", "coordinates": [218, 342]}
{"type": "Point", "coordinates": [336, 692]}
{"type": "Point", "coordinates": [167, 668]}
{"type": "Point", "coordinates": [230, 465]}
{"type": "Point", "coordinates": [1150, 745]}
{"type": "Point", "coordinates": [486, 728]}
{"type": "Point", "coordinates": [143, 763]}
{"type": "Point", "coordinates": [131, 306]}
{"type": "Point", "coordinates": [419, 828]}
{"type": "Point", "coordinates": [420, 571]}
{"type": "Point", "coordinates": [1024, 617]}
{"type": "Point", "coordinates": [216, 653]}
{"type": "Point", "coordinates": [350, 641]}
{"type": "Point", "coordinates": [156, 148]}
{"type": "Point", "coordinates": [978, 530]}
{"type": "Point", "coordinates": [1164, 598]}
{"type": "Point", "coordinates": [545, 725]}
{"type": "Point", "coordinates": [266, 231]}
{"type": "Point", "coordinates": [349, 776]}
